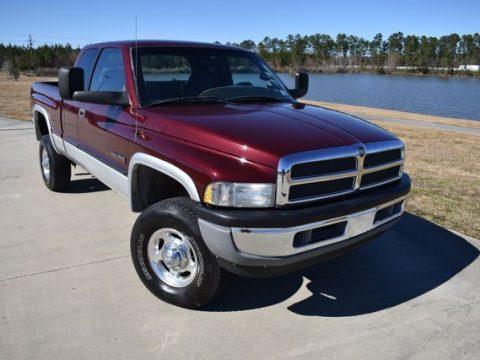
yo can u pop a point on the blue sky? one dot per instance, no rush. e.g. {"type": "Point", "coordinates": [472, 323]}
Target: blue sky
{"type": "Point", "coordinates": [90, 21]}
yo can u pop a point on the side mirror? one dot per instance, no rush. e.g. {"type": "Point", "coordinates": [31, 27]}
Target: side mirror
{"type": "Point", "coordinates": [301, 85]}
{"type": "Point", "coordinates": [70, 79]}
{"type": "Point", "coordinates": [265, 77]}
{"type": "Point", "coordinates": [102, 97]}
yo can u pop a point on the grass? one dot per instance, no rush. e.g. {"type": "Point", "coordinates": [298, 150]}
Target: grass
{"type": "Point", "coordinates": [445, 172]}
{"type": "Point", "coordinates": [15, 96]}
{"type": "Point", "coordinates": [444, 166]}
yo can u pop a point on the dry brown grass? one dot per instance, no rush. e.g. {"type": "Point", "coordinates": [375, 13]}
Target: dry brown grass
{"type": "Point", "coordinates": [444, 166]}
{"type": "Point", "coordinates": [445, 172]}
{"type": "Point", "coordinates": [15, 96]}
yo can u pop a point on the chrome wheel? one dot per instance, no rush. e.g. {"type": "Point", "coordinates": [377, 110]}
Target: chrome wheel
{"type": "Point", "coordinates": [45, 163]}
{"type": "Point", "coordinates": [172, 257]}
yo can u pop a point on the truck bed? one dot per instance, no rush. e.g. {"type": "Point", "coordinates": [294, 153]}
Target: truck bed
{"type": "Point", "coordinates": [46, 94]}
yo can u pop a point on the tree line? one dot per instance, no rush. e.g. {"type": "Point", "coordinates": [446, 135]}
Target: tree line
{"type": "Point", "coordinates": [415, 53]}
{"type": "Point", "coordinates": [41, 60]}
{"type": "Point", "coordinates": [318, 52]}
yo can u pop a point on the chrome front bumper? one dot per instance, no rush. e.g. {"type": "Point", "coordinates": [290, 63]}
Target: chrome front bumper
{"type": "Point", "coordinates": [234, 244]}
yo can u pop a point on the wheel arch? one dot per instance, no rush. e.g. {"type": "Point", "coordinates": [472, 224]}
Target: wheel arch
{"type": "Point", "coordinates": [42, 124]}
{"type": "Point", "coordinates": [169, 171]}
{"type": "Point", "coordinates": [41, 121]}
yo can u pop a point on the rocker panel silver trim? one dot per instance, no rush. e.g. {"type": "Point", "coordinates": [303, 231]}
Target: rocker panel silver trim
{"type": "Point", "coordinates": [103, 172]}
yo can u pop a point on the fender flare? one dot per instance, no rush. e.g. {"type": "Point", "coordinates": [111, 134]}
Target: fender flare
{"type": "Point", "coordinates": [164, 167]}
{"type": "Point", "coordinates": [39, 109]}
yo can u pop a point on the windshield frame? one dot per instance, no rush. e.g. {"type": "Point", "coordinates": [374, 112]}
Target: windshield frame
{"type": "Point", "coordinates": [256, 59]}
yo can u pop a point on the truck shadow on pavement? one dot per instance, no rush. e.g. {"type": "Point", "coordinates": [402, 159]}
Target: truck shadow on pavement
{"type": "Point", "coordinates": [85, 185]}
{"type": "Point", "coordinates": [409, 260]}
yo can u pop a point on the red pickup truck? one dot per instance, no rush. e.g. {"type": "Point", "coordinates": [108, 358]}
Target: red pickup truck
{"type": "Point", "coordinates": [229, 171]}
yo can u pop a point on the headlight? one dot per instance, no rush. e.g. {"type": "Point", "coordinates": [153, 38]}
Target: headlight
{"type": "Point", "coordinates": [240, 194]}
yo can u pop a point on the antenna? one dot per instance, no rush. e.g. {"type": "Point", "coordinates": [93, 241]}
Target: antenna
{"type": "Point", "coordinates": [136, 78]}
{"type": "Point", "coordinates": [136, 46]}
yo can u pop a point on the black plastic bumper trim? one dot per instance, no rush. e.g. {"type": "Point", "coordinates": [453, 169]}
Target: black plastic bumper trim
{"type": "Point", "coordinates": [288, 217]}
{"type": "Point", "coordinates": [280, 266]}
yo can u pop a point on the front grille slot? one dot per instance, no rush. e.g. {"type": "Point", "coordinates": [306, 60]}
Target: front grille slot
{"type": "Point", "coordinates": [320, 189]}
{"type": "Point", "coordinates": [382, 157]}
{"type": "Point", "coordinates": [380, 176]}
{"type": "Point", "coordinates": [388, 212]}
{"type": "Point", "coordinates": [319, 168]}
{"type": "Point", "coordinates": [320, 234]}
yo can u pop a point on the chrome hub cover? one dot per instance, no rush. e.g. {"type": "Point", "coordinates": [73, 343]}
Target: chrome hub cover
{"type": "Point", "coordinates": [45, 163]}
{"type": "Point", "coordinates": [175, 256]}
{"type": "Point", "coordinates": [172, 257]}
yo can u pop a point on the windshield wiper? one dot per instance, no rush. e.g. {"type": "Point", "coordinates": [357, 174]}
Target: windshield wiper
{"type": "Point", "coordinates": [260, 98]}
{"type": "Point", "coordinates": [193, 99]}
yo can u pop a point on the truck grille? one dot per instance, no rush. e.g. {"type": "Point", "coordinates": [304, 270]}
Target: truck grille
{"type": "Point", "coordinates": [332, 172]}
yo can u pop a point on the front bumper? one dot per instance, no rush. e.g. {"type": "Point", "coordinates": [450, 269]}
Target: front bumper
{"type": "Point", "coordinates": [277, 239]}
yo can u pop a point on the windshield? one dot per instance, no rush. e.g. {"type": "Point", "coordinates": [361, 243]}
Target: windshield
{"type": "Point", "coordinates": [176, 73]}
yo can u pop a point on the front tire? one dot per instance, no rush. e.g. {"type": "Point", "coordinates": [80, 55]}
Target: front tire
{"type": "Point", "coordinates": [170, 256]}
{"type": "Point", "coordinates": [56, 169]}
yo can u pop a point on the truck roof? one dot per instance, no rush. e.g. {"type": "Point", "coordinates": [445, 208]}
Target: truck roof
{"type": "Point", "coordinates": [173, 43]}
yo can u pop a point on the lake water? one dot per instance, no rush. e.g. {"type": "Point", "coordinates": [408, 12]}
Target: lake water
{"type": "Point", "coordinates": [442, 96]}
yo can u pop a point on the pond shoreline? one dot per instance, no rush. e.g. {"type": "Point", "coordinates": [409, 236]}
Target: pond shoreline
{"type": "Point", "coordinates": [449, 97]}
{"type": "Point", "coordinates": [373, 113]}
{"type": "Point", "coordinates": [391, 72]}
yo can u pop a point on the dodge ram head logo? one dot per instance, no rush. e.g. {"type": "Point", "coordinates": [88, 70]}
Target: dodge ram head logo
{"type": "Point", "coordinates": [361, 151]}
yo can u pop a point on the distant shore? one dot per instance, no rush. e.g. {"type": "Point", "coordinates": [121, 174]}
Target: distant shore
{"type": "Point", "coordinates": [382, 71]}
{"type": "Point", "coordinates": [398, 71]}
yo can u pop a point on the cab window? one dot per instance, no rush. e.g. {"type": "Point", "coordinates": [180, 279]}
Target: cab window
{"type": "Point", "coordinates": [109, 73]}
{"type": "Point", "coordinates": [86, 62]}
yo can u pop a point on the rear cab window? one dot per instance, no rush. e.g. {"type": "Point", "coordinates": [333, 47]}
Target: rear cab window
{"type": "Point", "coordinates": [87, 62]}
{"type": "Point", "coordinates": [109, 73]}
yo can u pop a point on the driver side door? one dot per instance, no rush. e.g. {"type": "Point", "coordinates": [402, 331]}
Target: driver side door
{"type": "Point", "coordinates": [104, 131]}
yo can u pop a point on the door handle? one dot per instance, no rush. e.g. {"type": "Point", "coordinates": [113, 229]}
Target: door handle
{"type": "Point", "coordinates": [81, 113]}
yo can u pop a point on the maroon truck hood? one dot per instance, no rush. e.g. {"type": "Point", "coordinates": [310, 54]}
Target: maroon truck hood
{"type": "Point", "coordinates": [262, 133]}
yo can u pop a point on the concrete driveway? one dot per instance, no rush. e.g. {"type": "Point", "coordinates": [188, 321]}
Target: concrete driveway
{"type": "Point", "coordinates": [68, 289]}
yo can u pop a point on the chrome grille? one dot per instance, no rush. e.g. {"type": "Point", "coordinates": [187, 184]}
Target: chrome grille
{"type": "Point", "coordinates": [326, 173]}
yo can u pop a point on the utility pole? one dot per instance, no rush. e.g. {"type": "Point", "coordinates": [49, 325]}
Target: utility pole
{"type": "Point", "coordinates": [30, 46]}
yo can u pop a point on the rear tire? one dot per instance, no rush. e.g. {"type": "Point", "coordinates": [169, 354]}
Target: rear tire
{"type": "Point", "coordinates": [56, 169]}
{"type": "Point", "coordinates": [170, 256]}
